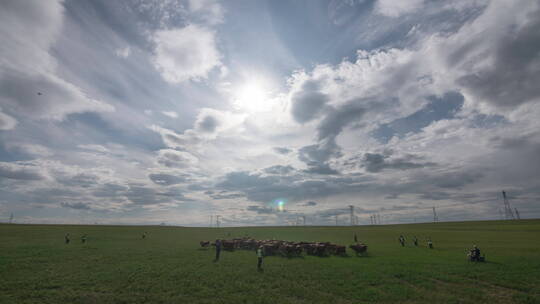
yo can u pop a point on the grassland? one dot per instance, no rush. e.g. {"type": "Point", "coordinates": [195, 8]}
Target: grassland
{"type": "Point", "coordinates": [117, 266]}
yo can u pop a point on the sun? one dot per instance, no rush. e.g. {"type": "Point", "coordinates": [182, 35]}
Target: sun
{"type": "Point", "coordinates": [252, 97]}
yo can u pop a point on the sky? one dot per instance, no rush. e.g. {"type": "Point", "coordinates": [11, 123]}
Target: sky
{"type": "Point", "coordinates": [261, 112]}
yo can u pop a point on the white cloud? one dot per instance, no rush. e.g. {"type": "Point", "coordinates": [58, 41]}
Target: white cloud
{"type": "Point", "coordinates": [7, 122]}
{"type": "Point", "coordinates": [176, 159]}
{"type": "Point", "coordinates": [123, 52]}
{"type": "Point", "coordinates": [170, 114]}
{"type": "Point", "coordinates": [396, 8]}
{"type": "Point", "coordinates": [29, 84]}
{"type": "Point", "coordinates": [209, 11]}
{"type": "Point", "coordinates": [186, 53]}
{"type": "Point", "coordinates": [96, 148]}
{"type": "Point", "coordinates": [30, 149]}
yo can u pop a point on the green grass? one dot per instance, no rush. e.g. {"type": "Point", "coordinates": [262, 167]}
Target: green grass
{"type": "Point", "coordinates": [117, 266]}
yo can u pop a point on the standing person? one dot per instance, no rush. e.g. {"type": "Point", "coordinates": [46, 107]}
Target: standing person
{"type": "Point", "coordinates": [402, 240]}
{"type": "Point", "coordinates": [218, 249]}
{"type": "Point", "coordinates": [66, 238]}
{"type": "Point", "coordinates": [415, 240]}
{"type": "Point", "coordinates": [259, 258]}
{"type": "Point", "coordinates": [430, 243]}
{"type": "Point", "coordinates": [355, 238]}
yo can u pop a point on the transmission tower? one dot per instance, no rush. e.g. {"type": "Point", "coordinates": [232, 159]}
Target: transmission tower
{"type": "Point", "coordinates": [435, 217]}
{"type": "Point", "coordinates": [217, 220]}
{"type": "Point", "coordinates": [508, 214]}
{"type": "Point", "coordinates": [351, 207]}
{"type": "Point", "coordinates": [517, 214]}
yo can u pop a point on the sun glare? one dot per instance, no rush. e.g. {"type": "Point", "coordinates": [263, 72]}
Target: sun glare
{"type": "Point", "coordinates": [252, 97]}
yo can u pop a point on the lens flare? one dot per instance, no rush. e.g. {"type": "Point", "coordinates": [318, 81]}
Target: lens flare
{"type": "Point", "coordinates": [281, 205]}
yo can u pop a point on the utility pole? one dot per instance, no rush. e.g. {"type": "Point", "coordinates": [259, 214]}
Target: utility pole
{"type": "Point", "coordinates": [11, 218]}
{"type": "Point", "coordinates": [435, 217]}
{"type": "Point", "coordinates": [351, 207]}
{"type": "Point", "coordinates": [508, 214]}
{"type": "Point", "coordinates": [517, 214]}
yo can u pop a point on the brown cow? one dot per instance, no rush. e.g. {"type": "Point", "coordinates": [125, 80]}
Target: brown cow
{"type": "Point", "coordinates": [204, 244]}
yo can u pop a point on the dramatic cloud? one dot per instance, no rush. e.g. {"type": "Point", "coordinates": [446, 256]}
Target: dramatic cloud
{"type": "Point", "coordinates": [174, 111]}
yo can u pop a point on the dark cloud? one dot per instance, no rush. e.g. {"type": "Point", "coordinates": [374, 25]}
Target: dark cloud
{"type": "Point", "coordinates": [110, 190]}
{"type": "Point", "coordinates": [337, 119]}
{"type": "Point", "coordinates": [282, 150]}
{"type": "Point", "coordinates": [438, 108]}
{"type": "Point", "coordinates": [455, 180]}
{"type": "Point", "coordinates": [279, 170]}
{"type": "Point", "coordinates": [316, 156]}
{"type": "Point", "coordinates": [19, 172]}
{"type": "Point", "coordinates": [223, 195]}
{"type": "Point", "coordinates": [84, 180]}
{"type": "Point", "coordinates": [207, 123]}
{"type": "Point", "coordinates": [164, 179]}
{"type": "Point", "coordinates": [323, 169]}
{"type": "Point", "coordinates": [375, 162]}
{"type": "Point", "coordinates": [261, 188]}
{"type": "Point", "coordinates": [261, 210]}
{"type": "Point", "coordinates": [143, 195]}
{"type": "Point", "coordinates": [78, 206]}
{"type": "Point", "coordinates": [308, 103]}
{"type": "Point", "coordinates": [176, 159]}
{"type": "Point", "coordinates": [514, 76]}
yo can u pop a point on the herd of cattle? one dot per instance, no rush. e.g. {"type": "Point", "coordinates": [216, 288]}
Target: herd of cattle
{"type": "Point", "coordinates": [287, 248]}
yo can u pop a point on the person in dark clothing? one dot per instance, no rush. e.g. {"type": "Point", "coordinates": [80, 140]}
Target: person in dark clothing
{"type": "Point", "coordinates": [83, 238]}
{"type": "Point", "coordinates": [66, 238]}
{"type": "Point", "coordinates": [415, 240]}
{"type": "Point", "coordinates": [259, 258]}
{"type": "Point", "coordinates": [474, 254]}
{"type": "Point", "coordinates": [218, 249]}
{"type": "Point", "coordinates": [476, 251]}
{"type": "Point", "coordinates": [402, 240]}
{"type": "Point", "coordinates": [355, 238]}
